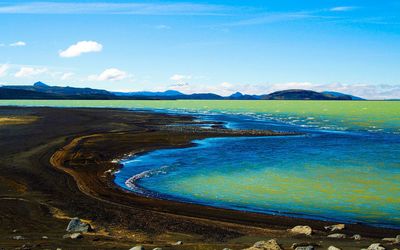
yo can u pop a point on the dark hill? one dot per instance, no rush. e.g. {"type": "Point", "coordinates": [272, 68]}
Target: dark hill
{"type": "Point", "coordinates": [299, 94]}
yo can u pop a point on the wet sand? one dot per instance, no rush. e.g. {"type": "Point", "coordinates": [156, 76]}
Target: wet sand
{"type": "Point", "coordinates": [60, 166]}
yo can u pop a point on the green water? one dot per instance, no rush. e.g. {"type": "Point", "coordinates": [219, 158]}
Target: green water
{"type": "Point", "coordinates": [339, 115]}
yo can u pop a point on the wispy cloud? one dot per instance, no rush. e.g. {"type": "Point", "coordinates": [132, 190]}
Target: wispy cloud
{"type": "Point", "coordinates": [111, 74]}
{"type": "Point", "coordinates": [18, 44]}
{"type": "Point", "coordinates": [114, 8]}
{"type": "Point", "coordinates": [3, 69]}
{"type": "Point", "coordinates": [342, 8]}
{"type": "Point", "coordinates": [30, 71]}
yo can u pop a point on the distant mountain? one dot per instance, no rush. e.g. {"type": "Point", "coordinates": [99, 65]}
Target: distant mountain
{"type": "Point", "coordinates": [240, 96]}
{"type": "Point", "coordinates": [62, 91]}
{"type": "Point", "coordinates": [338, 94]}
{"type": "Point", "coordinates": [299, 94]}
{"type": "Point", "coordinates": [40, 90]}
{"type": "Point", "coordinates": [149, 93]}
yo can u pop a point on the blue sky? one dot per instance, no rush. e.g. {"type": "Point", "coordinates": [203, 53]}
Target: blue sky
{"type": "Point", "coordinates": [204, 46]}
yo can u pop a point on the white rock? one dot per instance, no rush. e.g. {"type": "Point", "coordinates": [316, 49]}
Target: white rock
{"type": "Point", "coordinates": [376, 246]}
{"type": "Point", "coordinates": [356, 237]}
{"type": "Point", "coordinates": [333, 248]}
{"type": "Point", "coordinates": [337, 236]}
{"type": "Point", "coordinates": [301, 230]}
{"type": "Point", "coordinates": [265, 245]}
{"type": "Point", "coordinates": [177, 243]}
{"type": "Point", "coordinates": [139, 247]}
{"type": "Point", "coordinates": [335, 227]}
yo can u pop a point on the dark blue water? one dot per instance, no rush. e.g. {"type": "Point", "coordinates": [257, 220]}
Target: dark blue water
{"type": "Point", "coordinates": [349, 176]}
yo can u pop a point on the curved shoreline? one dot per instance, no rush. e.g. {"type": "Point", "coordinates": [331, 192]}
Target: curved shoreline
{"type": "Point", "coordinates": [186, 209]}
{"type": "Point", "coordinates": [81, 145]}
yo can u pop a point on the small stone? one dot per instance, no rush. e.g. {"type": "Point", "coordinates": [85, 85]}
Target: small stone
{"type": "Point", "coordinates": [376, 246]}
{"type": "Point", "coordinates": [45, 237]}
{"type": "Point", "coordinates": [157, 248]}
{"type": "Point", "coordinates": [76, 236]}
{"type": "Point", "coordinates": [304, 244]}
{"type": "Point", "coordinates": [337, 236]}
{"type": "Point", "coordinates": [15, 231]}
{"type": "Point", "coordinates": [177, 243]}
{"type": "Point", "coordinates": [301, 230]}
{"type": "Point", "coordinates": [76, 225]}
{"type": "Point", "coordinates": [139, 247]}
{"type": "Point", "coordinates": [18, 237]}
{"type": "Point", "coordinates": [356, 237]}
{"type": "Point", "coordinates": [333, 248]}
{"type": "Point", "coordinates": [262, 245]}
{"type": "Point", "coordinates": [305, 248]}
{"type": "Point", "coordinates": [226, 249]}
{"type": "Point", "coordinates": [335, 227]}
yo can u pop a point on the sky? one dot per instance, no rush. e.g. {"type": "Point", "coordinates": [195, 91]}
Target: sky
{"type": "Point", "coordinates": [254, 47]}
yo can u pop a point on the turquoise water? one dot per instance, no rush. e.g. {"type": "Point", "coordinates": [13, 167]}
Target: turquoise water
{"type": "Point", "coordinates": [346, 167]}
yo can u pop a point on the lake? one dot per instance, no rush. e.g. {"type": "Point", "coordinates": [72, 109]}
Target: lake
{"type": "Point", "coordinates": [346, 167]}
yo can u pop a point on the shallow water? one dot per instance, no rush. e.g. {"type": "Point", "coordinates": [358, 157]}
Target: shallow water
{"type": "Point", "coordinates": [346, 167]}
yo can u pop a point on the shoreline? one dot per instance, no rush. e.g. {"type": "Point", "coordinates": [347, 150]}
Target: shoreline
{"type": "Point", "coordinates": [86, 152]}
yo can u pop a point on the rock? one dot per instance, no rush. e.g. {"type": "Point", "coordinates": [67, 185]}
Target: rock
{"type": "Point", "coordinates": [73, 236]}
{"type": "Point", "coordinates": [139, 247]}
{"type": "Point", "coordinates": [337, 236]}
{"type": "Point", "coordinates": [356, 237]}
{"type": "Point", "coordinates": [301, 230]}
{"type": "Point", "coordinates": [335, 227]}
{"type": "Point", "coordinates": [76, 236]}
{"type": "Point", "coordinates": [18, 237]}
{"type": "Point", "coordinates": [226, 249]}
{"type": "Point", "coordinates": [305, 248]}
{"type": "Point", "coordinates": [76, 225]}
{"type": "Point", "coordinates": [376, 246]}
{"type": "Point", "coordinates": [45, 237]}
{"type": "Point", "coordinates": [304, 244]}
{"type": "Point", "coordinates": [269, 245]}
{"type": "Point", "coordinates": [177, 243]}
{"type": "Point", "coordinates": [15, 231]}
{"type": "Point", "coordinates": [333, 248]}
{"type": "Point", "coordinates": [157, 248]}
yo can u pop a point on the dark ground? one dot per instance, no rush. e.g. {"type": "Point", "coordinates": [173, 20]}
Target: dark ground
{"type": "Point", "coordinates": [55, 167]}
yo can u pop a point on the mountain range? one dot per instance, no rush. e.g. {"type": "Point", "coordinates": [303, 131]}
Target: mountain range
{"type": "Point", "coordinates": [40, 90]}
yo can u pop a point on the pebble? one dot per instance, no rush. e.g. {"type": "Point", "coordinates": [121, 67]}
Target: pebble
{"type": "Point", "coordinates": [157, 248]}
{"type": "Point", "coordinates": [137, 248]}
{"type": "Point", "coordinates": [335, 227]}
{"type": "Point", "coordinates": [356, 237]}
{"type": "Point", "coordinates": [333, 248]}
{"type": "Point", "coordinates": [305, 248]}
{"type": "Point", "coordinates": [265, 245]}
{"type": "Point", "coordinates": [177, 243]}
{"type": "Point", "coordinates": [376, 246]}
{"type": "Point", "coordinates": [301, 230]}
{"type": "Point", "coordinates": [337, 236]}
{"type": "Point", "coordinates": [18, 237]}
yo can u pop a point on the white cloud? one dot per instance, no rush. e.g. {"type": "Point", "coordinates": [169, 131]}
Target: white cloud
{"type": "Point", "coordinates": [111, 74]}
{"type": "Point", "coordinates": [18, 44]}
{"type": "Point", "coordinates": [114, 8]}
{"type": "Point", "coordinates": [180, 78]}
{"type": "Point", "coordinates": [341, 8]}
{"type": "Point", "coordinates": [3, 69]}
{"type": "Point", "coordinates": [29, 71]}
{"type": "Point", "coordinates": [162, 27]}
{"type": "Point", "coordinates": [80, 48]}
{"type": "Point", "coordinates": [66, 76]}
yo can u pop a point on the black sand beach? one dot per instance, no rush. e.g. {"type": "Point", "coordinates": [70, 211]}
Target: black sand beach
{"type": "Point", "coordinates": [56, 164]}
